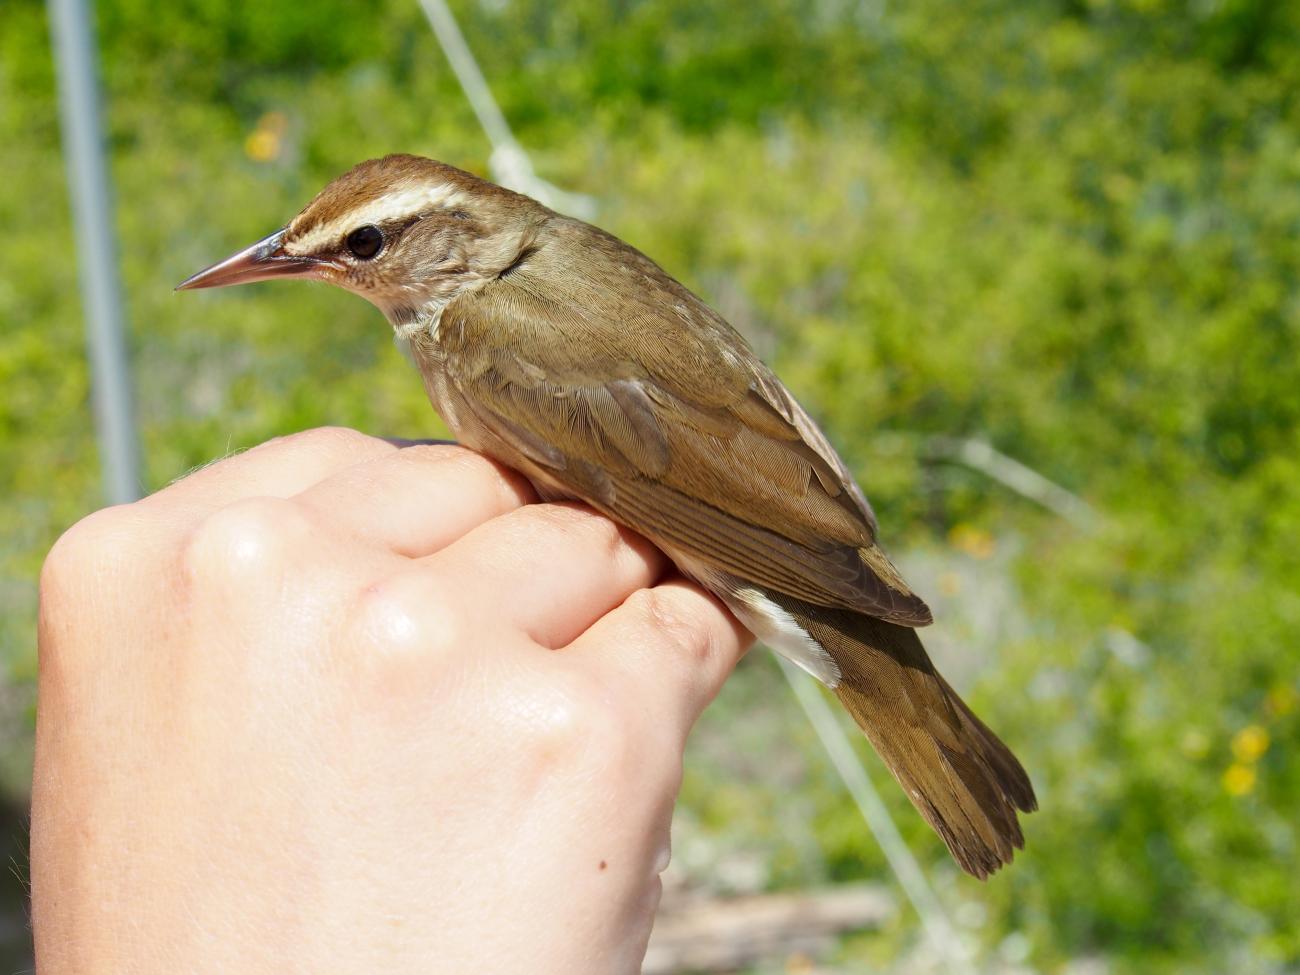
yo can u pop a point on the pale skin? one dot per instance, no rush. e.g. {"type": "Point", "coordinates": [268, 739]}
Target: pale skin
{"type": "Point", "coordinates": [335, 705]}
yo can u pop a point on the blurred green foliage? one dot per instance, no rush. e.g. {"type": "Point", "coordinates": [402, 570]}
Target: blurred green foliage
{"type": "Point", "coordinates": [1069, 228]}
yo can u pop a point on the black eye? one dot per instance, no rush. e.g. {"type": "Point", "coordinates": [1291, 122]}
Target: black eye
{"type": "Point", "coordinates": [365, 241]}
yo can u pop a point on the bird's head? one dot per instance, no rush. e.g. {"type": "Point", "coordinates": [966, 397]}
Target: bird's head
{"type": "Point", "coordinates": [406, 233]}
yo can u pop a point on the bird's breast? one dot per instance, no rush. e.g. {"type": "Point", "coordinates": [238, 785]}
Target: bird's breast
{"type": "Point", "coordinates": [450, 403]}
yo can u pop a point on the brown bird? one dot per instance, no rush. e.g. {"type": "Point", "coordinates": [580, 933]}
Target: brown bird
{"type": "Point", "coordinates": [572, 357]}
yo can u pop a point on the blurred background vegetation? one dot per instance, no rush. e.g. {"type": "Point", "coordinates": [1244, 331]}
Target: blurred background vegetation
{"type": "Point", "coordinates": [1069, 229]}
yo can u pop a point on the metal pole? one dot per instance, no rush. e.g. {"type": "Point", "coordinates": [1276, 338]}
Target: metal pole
{"type": "Point", "coordinates": [510, 164]}
{"type": "Point", "coordinates": [88, 185]}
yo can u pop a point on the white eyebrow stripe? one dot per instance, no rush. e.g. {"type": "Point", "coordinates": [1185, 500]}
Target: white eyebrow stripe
{"type": "Point", "coordinates": [394, 205]}
{"type": "Point", "coordinates": [412, 199]}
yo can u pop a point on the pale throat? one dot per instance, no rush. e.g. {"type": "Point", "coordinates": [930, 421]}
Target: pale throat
{"type": "Point", "coordinates": [415, 330]}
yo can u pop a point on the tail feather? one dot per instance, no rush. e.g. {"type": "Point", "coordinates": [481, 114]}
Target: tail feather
{"type": "Point", "coordinates": [959, 775]}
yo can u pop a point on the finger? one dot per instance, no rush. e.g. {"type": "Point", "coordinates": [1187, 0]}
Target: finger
{"type": "Point", "coordinates": [549, 570]}
{"type": "Point", "coordinates": [419, 499]}
{"type": "Point", "coordinates": [278, 468]}
{"type": "Point", "coordinates": [672, 645]}
{"type": "Point", "coordinates": [424, 442]}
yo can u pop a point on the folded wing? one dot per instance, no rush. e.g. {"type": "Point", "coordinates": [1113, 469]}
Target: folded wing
{"type": "Point", "coordinates": [656, 412]}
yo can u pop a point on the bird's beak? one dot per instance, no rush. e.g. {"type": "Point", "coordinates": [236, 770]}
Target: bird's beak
{"type": "Point", "coordinates": [263, 260]}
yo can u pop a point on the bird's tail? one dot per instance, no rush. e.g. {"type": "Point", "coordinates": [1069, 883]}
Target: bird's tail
{"type": "Point", "coordinates": [959, 775]}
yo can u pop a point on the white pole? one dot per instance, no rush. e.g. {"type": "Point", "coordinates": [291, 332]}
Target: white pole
{"type": "Point", "coordinates": [510, 164]}
{"type": "Point", "coordinates": [88, 185]}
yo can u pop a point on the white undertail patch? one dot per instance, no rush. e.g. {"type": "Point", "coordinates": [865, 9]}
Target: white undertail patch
{"type": "Point", "coordinates": [780, 631]}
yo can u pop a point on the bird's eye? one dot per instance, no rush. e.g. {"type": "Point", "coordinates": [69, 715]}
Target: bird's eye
{"type": "Point", "coordinates": [365, 242]}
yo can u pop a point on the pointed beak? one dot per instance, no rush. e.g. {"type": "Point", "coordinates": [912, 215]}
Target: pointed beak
{"type": "Point", "coordinates": [264, 260]}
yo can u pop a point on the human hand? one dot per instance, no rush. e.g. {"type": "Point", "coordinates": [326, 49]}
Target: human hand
{"type": "Point", "coordinates": [332, 705]}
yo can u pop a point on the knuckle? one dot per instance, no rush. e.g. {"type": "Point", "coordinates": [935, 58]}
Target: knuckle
{"type": "Point", "coordinates": [84, 563]}
{"type": "Point", "coordinates": [439, 454]}
{"type": "Point", "coordinates": [332, 442]}
{"type": "Point", "coordinates": [455, 460]}
{"type": "Point", "coordinates": [407, 628]}
{"type": "Point", "coordinates": [572, 724]}
{"type": "Point", "coordinates": [661, 611]}
{"type": "Point", "coordinates": [245, 540]}
{"type": "Point", "coordinates": [577, 519]}
{"type": "Point", "coordinates": [654, 894]}
{"type": "Point", "coordinates": [96, 542]}
{"type": "Point", "coordinates": [329, 438]}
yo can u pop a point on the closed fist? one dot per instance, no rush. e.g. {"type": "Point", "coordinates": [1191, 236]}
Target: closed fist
{"type": "Point", "coordinates": [338, 705]}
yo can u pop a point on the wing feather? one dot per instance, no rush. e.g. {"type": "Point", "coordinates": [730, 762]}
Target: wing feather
{"type": "Point", "coordinates": [658, 413]}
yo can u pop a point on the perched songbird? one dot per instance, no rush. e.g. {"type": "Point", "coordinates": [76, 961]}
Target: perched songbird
{"type": "Point", "coordinates": [572, 357]}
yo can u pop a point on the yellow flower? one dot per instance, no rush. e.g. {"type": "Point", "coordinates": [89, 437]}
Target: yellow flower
{"type": "Point", "coordinates": [1249, 744]}
{"type": "Point", "coordinates": [1238, 779]}
{"type": "Point", "coordinates": [975, 542]}
{"type": "Point", "coordinates": [262, 146]}
{"type": "Point", "coordinates": [263, 143]}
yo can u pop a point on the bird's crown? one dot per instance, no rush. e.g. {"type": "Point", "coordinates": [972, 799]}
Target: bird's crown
{"type": "Point", "coordinates": [405, 232]}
